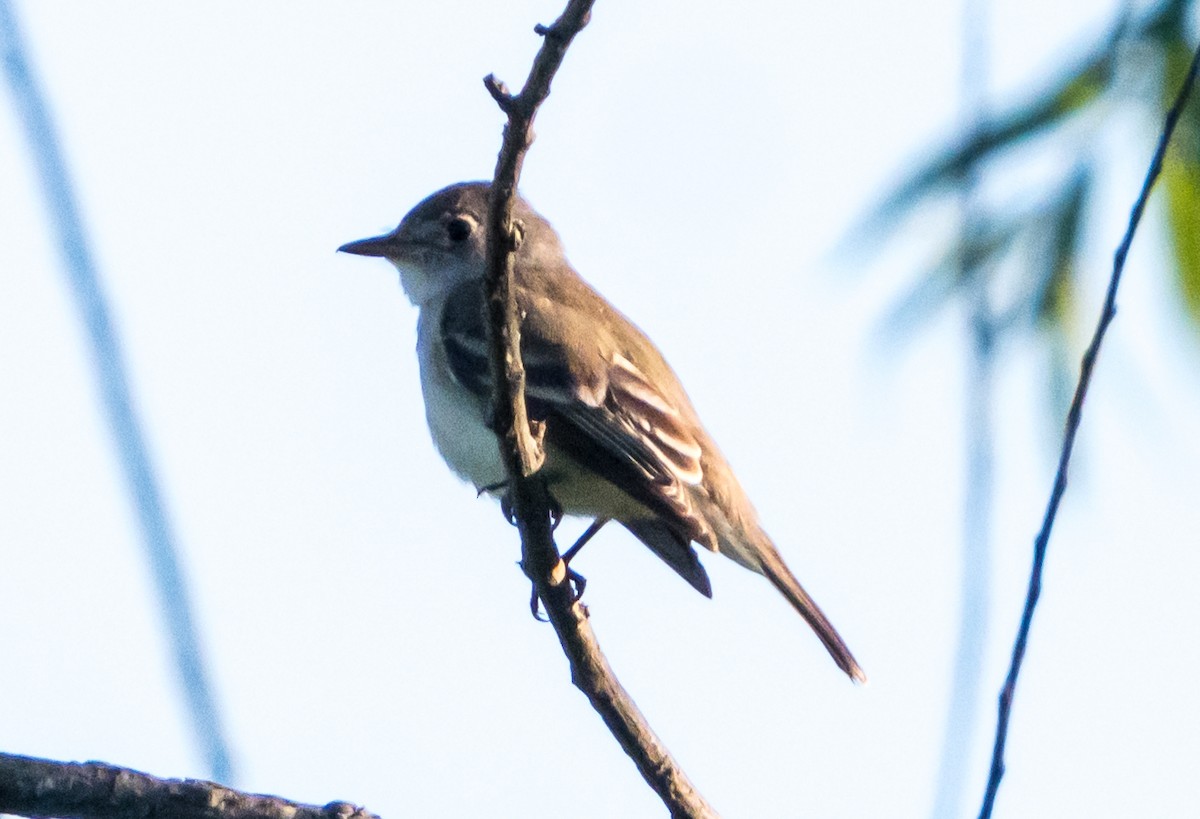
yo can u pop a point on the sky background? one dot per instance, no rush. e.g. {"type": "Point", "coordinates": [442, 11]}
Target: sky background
{"type": "Point", "coordinates": [366, 626]}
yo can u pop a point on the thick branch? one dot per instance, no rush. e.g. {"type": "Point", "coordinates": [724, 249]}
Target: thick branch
{"type": "Point", "coordinates": [93, 790]}
{"type": "Point", "coordinates": [521, 441]}
{"type": "Point", "coordinates": [1074, 416]}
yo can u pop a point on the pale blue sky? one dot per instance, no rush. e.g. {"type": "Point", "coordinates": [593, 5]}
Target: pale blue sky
{"type": "Point", "coordinates": [366, 625]}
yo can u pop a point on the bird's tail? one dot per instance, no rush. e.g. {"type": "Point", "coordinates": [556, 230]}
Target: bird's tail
{"type": "Point", "coordinates": [765, 559]}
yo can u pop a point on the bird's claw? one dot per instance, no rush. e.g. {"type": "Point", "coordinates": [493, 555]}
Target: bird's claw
{"type": "Point", "coordinates": [578, 584]}
{"type": "Point", "coordinates": [535, 607]}
{"type": "Point", "coordinates": [506, 508]}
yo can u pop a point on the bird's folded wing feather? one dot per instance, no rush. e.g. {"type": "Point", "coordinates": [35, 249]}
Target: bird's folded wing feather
{"type": "Point", "coordinates": [601, 409]}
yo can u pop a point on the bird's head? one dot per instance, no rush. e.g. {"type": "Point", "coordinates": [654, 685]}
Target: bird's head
{"type": "Point", "coordinates": [443, 240]}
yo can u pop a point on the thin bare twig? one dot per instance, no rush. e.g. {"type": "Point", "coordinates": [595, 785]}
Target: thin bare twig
{"type": "Point", "coordinates": [93, 790]}
{"type": "Point", "coordinates": [521, 444]}
{"type": "Point", "coordinates": [1074, 416]}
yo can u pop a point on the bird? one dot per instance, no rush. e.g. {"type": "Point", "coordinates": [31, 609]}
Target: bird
{"type": "Point", "coordinates": [622, 440]}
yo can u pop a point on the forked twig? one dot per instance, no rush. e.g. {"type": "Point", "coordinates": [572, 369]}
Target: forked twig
{"type": "Point", "coordinates": [521, 444]}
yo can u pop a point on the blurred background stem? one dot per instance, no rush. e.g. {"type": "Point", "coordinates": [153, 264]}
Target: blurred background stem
{"type": "Point", "coordinates": [108, 361]}
{"type": "Point", "coordinates": [979, 329]}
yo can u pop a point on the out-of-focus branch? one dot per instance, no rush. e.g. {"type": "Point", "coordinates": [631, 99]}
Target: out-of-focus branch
{"type": "Point", "coordinates": [93, 790]}
{"type": "Point", "coordinates": [521, 444]}
{"type": "Point", "coordinates": [974, 277]}
{"type": "Point", "coordinates": [108, 360]}
{"type": "Point", "coordinates": [1074, 416]}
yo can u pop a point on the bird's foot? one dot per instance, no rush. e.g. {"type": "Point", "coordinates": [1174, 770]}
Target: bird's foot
{"type": "Point", "coordinates": [578, 584]}
{"type": "Point", "coordinates": [506, 508]}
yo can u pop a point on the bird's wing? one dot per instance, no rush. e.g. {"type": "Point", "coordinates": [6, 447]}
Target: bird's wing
{"type": "Point", "coordinates": [601, 410]}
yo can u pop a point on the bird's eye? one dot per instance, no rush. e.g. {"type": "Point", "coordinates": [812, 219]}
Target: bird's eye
{"type": "Point", "coordinates": [458, 229]}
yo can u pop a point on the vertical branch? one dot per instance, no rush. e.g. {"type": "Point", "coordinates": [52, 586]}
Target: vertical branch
{"type": "Point", "coordinates": [521, 441]}
{"type": "Point", "coordinates": [109, 363]}
{"type": "Point", "coordinates": [521, 444]}
{"type": "Point", "coordinates": [965, 686]}
{"type": "Point", "coordinates": [1074, 416]}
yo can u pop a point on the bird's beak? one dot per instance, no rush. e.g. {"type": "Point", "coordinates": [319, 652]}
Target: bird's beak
{"type": "Point", "coordinates": [386, 246]}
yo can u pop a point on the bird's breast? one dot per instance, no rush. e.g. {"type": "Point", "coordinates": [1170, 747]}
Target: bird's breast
{"type": "Point", "coordinates": [455, 415]}
{"type": "Point", "coordinates": [457, 422]}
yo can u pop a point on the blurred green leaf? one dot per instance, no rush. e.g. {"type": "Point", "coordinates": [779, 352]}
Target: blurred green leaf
{"type": "Point", "coordinates": [989, 240]}
{"type": "Point", "coordinates": [1054, 293]}
{"type": "Point", "coordinates": [1078, 89]}
{"type": "Point", "coordinates": [1055, 298]}
{"type": "Point", "coordinates": [1165, 24]}
{"type": "Point", "coordinates": [1049, 236]}
{"type": "Point", "coordinates": [1181, 181]}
